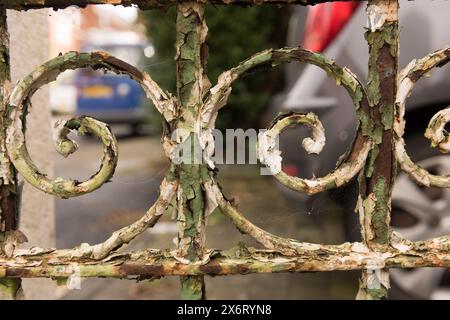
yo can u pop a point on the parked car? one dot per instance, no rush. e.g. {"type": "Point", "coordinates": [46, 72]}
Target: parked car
{"type": "Point", "coordinates": [337, 30]}
{"type": "Point", "coordinates": [109, 97]}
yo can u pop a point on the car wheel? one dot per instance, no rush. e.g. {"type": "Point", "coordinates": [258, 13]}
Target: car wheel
{"type": "Point", "coordinates": [421, 213]}
{"type": "Point", "coordinates": [418, 213]}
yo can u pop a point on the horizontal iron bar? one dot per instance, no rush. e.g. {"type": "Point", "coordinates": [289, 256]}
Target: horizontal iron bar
{"type": "Point", "coordinates": [143, 4]}
{"type": "Point", "coordinates": [156, 263]}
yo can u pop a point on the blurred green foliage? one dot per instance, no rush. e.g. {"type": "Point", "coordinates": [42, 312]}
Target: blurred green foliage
{"type": "Point", "coordinates": [235, 34]}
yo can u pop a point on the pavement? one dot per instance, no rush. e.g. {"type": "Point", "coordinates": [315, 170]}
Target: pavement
{"type": "Point", "coordinates": [92, 218]}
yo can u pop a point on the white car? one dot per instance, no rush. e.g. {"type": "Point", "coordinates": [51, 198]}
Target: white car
{"type": "Point", "coordinates": [337, 30]}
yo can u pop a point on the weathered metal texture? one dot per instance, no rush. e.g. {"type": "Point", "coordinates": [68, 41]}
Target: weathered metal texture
{"type": "Point", "coordinates": [190, 187]}
{"type": "Point", "coordinates": [239, 260]}
{"type": "Point", "coordinates": [192, 84]}
{"type": "Point", "coordinates": [436, 129]}
{"type": "Point", "coordinates": [376, 180]}
{"type": "Point", "coordinates": [9, 219]}
{"type": "Point", "coordinates": [145, 4]}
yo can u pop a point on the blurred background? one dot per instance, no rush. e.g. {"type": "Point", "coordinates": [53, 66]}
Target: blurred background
{"type": "Point", "coordinates": [146, 40]}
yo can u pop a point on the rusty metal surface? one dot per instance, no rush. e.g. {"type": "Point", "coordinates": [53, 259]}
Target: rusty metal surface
{"type": "Point", "coordinates": [192, 188]}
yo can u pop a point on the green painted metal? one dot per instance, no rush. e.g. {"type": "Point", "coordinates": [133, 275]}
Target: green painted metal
{"type": "Point", "coordinates": [191, 187]}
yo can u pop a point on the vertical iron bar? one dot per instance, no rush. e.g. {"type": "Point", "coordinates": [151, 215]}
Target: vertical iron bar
{"type": "Point", "coordinates": [376, 181]}
{"type": "Point", "coordinates": [191, 84]}
{"type": "Point", "coordinates": [9, 288]}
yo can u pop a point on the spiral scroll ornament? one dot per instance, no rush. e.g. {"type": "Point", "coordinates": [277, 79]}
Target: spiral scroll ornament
{"type": "Point", "coordinates": [18, 108]}
{"type": "Point", "coordinates": [436, 129]}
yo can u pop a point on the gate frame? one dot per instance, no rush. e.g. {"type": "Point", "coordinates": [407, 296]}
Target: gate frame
{"type": "Point", "coordinates": [191, 187]}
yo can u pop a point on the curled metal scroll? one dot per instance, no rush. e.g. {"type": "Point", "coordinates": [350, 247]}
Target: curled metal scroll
{"type": "Point", "coordinates": [18, 109]}
{"type": "Point", "coordinates": [351, 163]}
{"type": "Point", "coordinates": [436, 129]}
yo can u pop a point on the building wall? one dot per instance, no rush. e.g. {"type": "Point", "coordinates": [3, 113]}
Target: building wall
{"type": "Point", "coordinates": [29, 49]}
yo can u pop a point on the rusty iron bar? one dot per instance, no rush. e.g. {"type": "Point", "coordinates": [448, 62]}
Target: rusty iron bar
{"type": "Point", "coordinates": [147, 4]}
{"type": "Point", "coordinates": [377, 179]}
{"type": "Point", "coordinates": [9, 220]}
{"type": "Point", "coordinates": [192, 84]}
{"type": "Point", "coordinates": [193, 111]}
{"type": "Point", "coordinates": [239, 260]}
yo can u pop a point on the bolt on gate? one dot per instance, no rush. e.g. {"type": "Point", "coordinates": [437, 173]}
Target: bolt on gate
{"type": "Point", "coordinates": [191, 187]}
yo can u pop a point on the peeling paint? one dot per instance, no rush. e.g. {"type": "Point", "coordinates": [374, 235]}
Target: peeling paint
{"type": "Point", "coordinates": [376, 181]}
{"type": "Point", "coordinates": [436, 128]}
{"type": "Point", "coordinates": [192, 187]}
{"type": "Point", "coordinates": [10, 237]}
{"type": "Point", "coordinates": [192, 86]}
{"type": "Point", "coordinates": [142, 4]}
{"type": "Point", "coordinates": [381, 12]}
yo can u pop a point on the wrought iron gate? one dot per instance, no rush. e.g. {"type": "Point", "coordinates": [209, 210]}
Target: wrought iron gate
{"type": "Point", "coordinates": [191, 187]}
